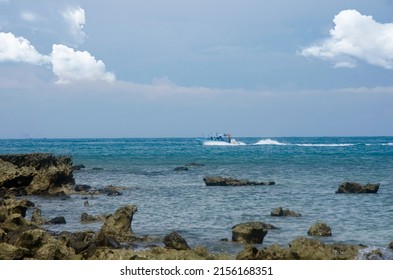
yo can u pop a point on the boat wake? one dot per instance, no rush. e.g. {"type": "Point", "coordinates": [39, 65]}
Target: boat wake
{"type": "Point", "coordinates": [223, 143]}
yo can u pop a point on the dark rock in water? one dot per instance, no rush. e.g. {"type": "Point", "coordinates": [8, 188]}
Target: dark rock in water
{"type": "Point", "coordinates": [175, 241]}
{"type": "Point", "coordinates": [250, 232]}
{"type": "Point", "coordinates": [320, 229]}
{"type": "Point", "coordinates": [82, 188]}
{"type": "Point", "coordinates": [98, 168]}
{"type": "Point", "coordinates": [350, 187]}
{"type": "Point", "coordinates": [279, 212]}
{"type": "Point", "coordinates": [111, 190]}
{"type": "Point", "coordinates": [390, 246]}
{"type": "Point", "coordinates": [78, 167]}
{"type": "Point", "coordinates": [117, 227]}
{"type": "Point", "coordinates": [57, 221]}
{"type": "Point", "coordinates": [37, 173]}
{"type": "Point", "coordinates": [181, 168]}
{"type": "Point", "coordinates": [222, 181]}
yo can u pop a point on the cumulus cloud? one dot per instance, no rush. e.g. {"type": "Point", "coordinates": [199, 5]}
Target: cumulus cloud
{"type": "Point", "coordinates": [19, 49]}
{"type": "Point", "coordinates": [70, 65]}
{"type": "Point", "coordinates": [75, 18]}
{"type": "Point", "coordinates": [356, 37]}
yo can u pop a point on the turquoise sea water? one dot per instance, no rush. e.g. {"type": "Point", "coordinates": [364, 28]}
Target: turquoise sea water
{"type": "Point", "coordinates": [307, 172]}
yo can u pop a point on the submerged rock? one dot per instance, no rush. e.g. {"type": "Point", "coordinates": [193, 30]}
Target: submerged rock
{"type": "Point", "coordinates": [222, 181]}
{"type": "Point", "coordinates": [320, 229]}
{"type": "Point", "coordinates": [181, 168]}
{"type": "Point", "coordinates": [57, 221]}
{"type": "Point", "coordinates": [351, 187]}
{"type": "Point", "coordinates": [279, 212]}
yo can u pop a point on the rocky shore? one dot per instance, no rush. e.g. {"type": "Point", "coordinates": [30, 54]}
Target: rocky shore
{"type": "Point", "coordinates": [25, 237]}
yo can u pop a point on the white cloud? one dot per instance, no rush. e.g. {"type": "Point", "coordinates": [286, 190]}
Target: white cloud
{"type": "Point", "coordinates": [356, 37]}
{"type": "Point", "coordinates": [75, 17]}
{"type": "Point", "coordinates": [70, 65]}
{"type": "Point", "coordinates": [19, 49]}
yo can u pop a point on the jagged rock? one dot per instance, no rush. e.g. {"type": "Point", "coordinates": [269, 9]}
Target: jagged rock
{"type": "Point", "coordinates": [320, 229]}
{"type": "Point", "coordinates": [301, 249]}
{"type": "Point", "coordinates": [36, 173]}
{"type": "Point", "coordinates": [36, 217]}
{"type": "Point", "coordinates": [350, 187]}
{"type": "Point", "coordinates": [117, 227]}
{"type": "Point", "coordinates": [222, 181]}
{"type": "Point", "coordinates": [250, 232]}
{"type": "Point", "coordinates": [32, 239]}
{"type": "Point", "coordinates": [3, 235]}
{"type": "Point", "coordinates": [279, 212]}
{"type": "Point", "coordinates": [11, 252]}
{"type": "Point", "coordinates": [83, 243]}
{"type": "Point", "coordinates": [86, 218]}
{"type": "Point", "coordinates": [56, 250]}
{"type": "Point", "coordinates": [175, 241]}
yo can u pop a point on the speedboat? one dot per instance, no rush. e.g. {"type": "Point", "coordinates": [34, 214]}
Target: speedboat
{"type": "Point", "coordinates": [219, 139]}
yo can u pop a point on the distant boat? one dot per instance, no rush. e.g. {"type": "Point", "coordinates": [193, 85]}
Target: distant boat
{"type": "Point", "coordinates": [219, 139]}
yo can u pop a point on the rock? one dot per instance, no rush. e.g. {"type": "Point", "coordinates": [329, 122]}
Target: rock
{"type": "Point", "coordinates": [181, 168]}
{"type": "Point", "coordinates": [32, 239]}
{"type": "Point", "coordinates": [83, 243]}
{"type": "Point", "coordinates": [56, 250]}
{"type": "Point", "coordinates": [350, 187]}
{"type": "Point", "coordinates": [111, 190]}
{"type": "Point", "coordinates": [221, 181]}
{"type": "Point", "coordinates": [36, 173]}
{"type": "Point", "coordinates": [86, 218]}
{"type": "Point", "coordinates": [320, 229]}
{"type": "Point", "coordinates": [10, 252]}
{"type": "Point", "coordinates": [97, 168]}
{"type": "Point", "coordinates": [279, 212]}
{"type": "Point", "coordinates": [175, 241]}
{"type": "Point", "coordinates": [250, 232]}
{"type": "Point", "coordinates": [78, 167]}
{"type": "Point", "coordinates": [117, 227]}
{"type": "Point", "coordinates": [82, 188]}
{"type": "Point", "coordinates": [36, 217]}
{"type": "Point", "coordinates": [57, 221]}
{"type": "Point", "coordinates": [390, 246]}
{"type": "Point", "coordinates": [302, 249]}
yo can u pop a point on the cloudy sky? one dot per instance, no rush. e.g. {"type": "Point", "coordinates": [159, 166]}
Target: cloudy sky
{"type": "Point", "coordinates": [179, 68]}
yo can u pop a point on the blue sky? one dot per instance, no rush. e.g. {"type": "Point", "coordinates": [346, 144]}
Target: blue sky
{"type": "Point", "coordinates": [183, 68]}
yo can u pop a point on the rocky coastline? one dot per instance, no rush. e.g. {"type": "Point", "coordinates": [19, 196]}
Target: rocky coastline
{"type": "Point", "coordinates": [23, 237]}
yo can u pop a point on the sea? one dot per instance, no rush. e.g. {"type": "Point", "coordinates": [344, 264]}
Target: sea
{"type": "Point", "coordinates": [307, 172]}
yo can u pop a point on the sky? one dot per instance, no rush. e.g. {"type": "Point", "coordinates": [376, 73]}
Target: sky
{"type": "Point", "coordinates": [257, 68]}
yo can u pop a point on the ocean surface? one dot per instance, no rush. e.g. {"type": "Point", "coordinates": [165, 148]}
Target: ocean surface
{"type": "Point", "coordinates": [307, 172]}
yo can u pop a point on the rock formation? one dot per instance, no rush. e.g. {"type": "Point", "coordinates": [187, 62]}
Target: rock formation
{"type": "Point", "coordinates": [222, 181]}
{"type": "Point", "coordinates": [351, 187]}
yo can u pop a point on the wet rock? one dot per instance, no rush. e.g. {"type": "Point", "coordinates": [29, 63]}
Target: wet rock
{"type": "Point", "coordinates": [249, 253]}
{"type": "Point", "coordinates": [320, 229]}
{"type": "Point", "coordinates": [36, 173]}
{"type": "Point", "coordinates": [250, 232]}
{"type": "Point", "coordinates": [86, 218]}
{"type": "Point", "coordinates": [97, 168]}
{"type": "Point", "coordinates": [222, 181]}
{"type": "Point", "coordinates": [111, 190]}
{"type": "Point", "coordinates": [181, 168]}
{"type": "Point", "coordinates": [390, 246]}
{"type": "Point", "coordinates": [175, 241]}
{"type": "Point", "coordinates": [78, 167]}
{"type": "Point", "coordinates": [351, 187]}
{"type": "Point", "coordinates": [279, 212]}
{"type": "Point", "coordinates": [57, 221]}
{"type": "Point", "coordinates": [194, 164]}
{"type": "Point", "coordinates": [82, 188]}
{"type": "Point", "coordinates": [83, 243]}
{"type": "Point", "coordinates": [117, 227]}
